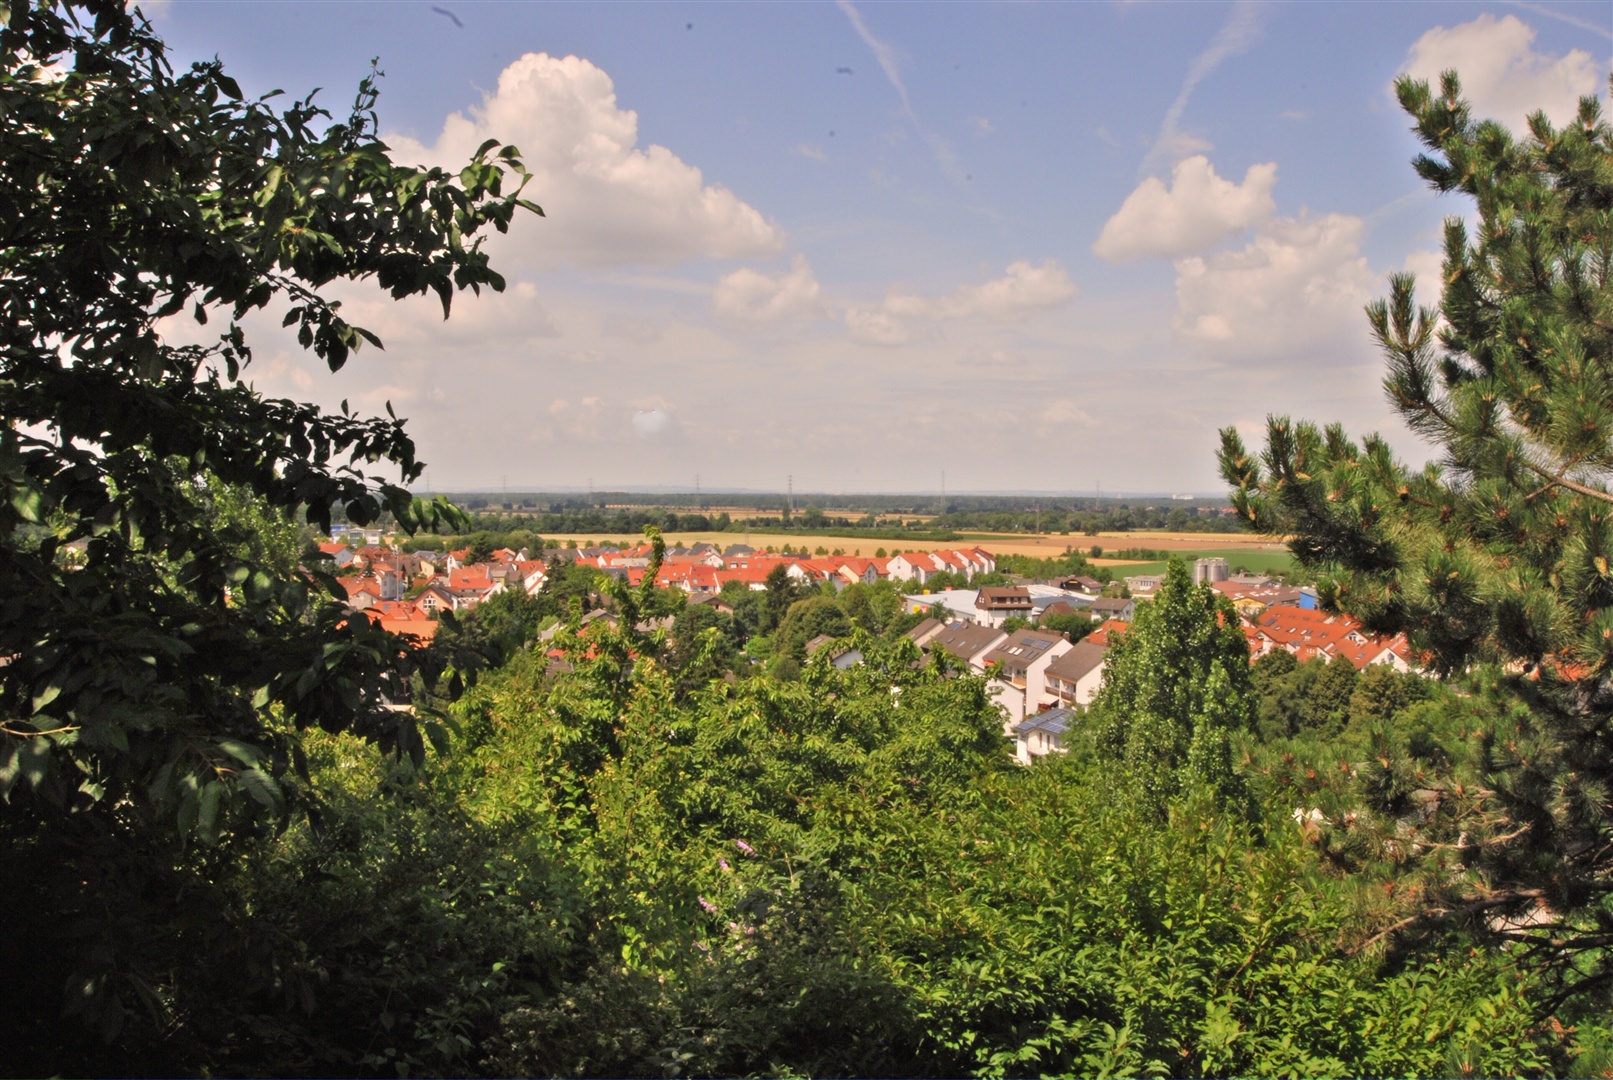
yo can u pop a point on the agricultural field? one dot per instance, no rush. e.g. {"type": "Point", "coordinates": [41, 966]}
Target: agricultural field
{"type": "Point", "coordinates": [1256, 554]}
{"type": "Point", "coordinates": [1257, 562]}
{"type": "Point", "coordinates": [849, 545]}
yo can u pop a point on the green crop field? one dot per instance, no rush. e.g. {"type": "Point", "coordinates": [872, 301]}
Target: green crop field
{"type": "Point", "coordinates": [1257, 562]}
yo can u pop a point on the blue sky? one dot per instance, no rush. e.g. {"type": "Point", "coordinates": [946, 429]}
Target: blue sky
{"type": "Point", "coordinates": [1031, 246]}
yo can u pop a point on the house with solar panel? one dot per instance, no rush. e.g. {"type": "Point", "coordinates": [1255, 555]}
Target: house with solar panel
{"type": "Point", "coordinates": [1020, 687]}
{"type": "Point", "coordinates": [1043, 734]}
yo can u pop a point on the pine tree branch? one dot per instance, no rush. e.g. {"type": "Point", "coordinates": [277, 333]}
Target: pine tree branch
{"type": "Point", "coordinates": [1470, 906]}
{"type": "Point", "coordinates": [1422, 918]}
{"type": "Point", "coordinates": [1563, 481]}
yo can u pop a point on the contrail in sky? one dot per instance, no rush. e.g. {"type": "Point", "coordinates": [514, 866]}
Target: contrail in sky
{"type": "Point", "coordinates": [1241, 30]}
{"type": "Point", "coordinates": [887, 61]}
{"type": "Point", "coordinates": [1563, 16]}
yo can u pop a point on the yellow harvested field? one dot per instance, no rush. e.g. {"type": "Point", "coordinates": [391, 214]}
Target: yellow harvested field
{"type": "Point", "coordinates": [1042, 546]}
{"type": "Point", "coordinates": [851, 545]}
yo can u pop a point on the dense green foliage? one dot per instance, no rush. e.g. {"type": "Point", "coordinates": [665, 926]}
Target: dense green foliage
{"type": "Point", "coordinates": [1495, 557]}
{"type": "Point", "coordinates": [614, 873]}
{"type": "Point", "coordinates": [1175, 694]}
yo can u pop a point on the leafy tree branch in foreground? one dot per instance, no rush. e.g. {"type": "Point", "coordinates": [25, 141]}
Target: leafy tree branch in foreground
{"type": "Point", "coordinates": [152, 681]}
{"type": "Point", "coordinates": [131, 194]}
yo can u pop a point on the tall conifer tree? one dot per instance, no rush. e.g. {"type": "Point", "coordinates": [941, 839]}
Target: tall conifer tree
{"type": "Point", "coordinates": [1498, 554]}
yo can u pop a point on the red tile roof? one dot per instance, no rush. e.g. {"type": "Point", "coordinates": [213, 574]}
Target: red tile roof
{"type": "Point", "coordinates": [1110, 627]}
{"type": "Point", "coordinates": [424, 629]}
{"type": "Point", "coordinates": [470, 577]}
{"type": "Point", "coordinates": [1309, 633]}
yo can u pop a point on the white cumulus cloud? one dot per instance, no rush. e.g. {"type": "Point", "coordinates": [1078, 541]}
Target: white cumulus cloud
{"type": "Point", "coordinates": [1197, 211]}
{"type": "Point", "coordinates": [651, 424]}
{"type": "Point", "coordinates": [1061, 413]}
{"type": "Point", "coordinates": [872, 326]}
{"type": "Point", "coordinates": [1022, 291]}
{"type": "Point", "coordinates": [608, 202]}
{"type": "Point", "coordinates": [1301, 282]}
{"type": "Point", "coordinates": [574, 423]}
{"type": "Point", "coordinates": [1428, 265]}
{"type": "Point", "coordinates": [1503, 77]}
{"type": "Point", "coordinates": [748, 295]}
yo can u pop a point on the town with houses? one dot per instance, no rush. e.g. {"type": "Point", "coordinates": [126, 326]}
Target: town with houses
{"type": "Point", "coordinates": [1040, 678]}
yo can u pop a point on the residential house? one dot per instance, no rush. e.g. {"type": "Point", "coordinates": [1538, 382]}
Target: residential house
{"type": "Point", "coordinates": [713, 601]}
{"type": "Point", "coordinates": [842, 656]}
{"type": "Point", "coordinates": [1024, 650]}
{"type": "Point", "coordinates": [1105, 634]}
{"type": "Point", "coordinates": [361, 592]}
{"type": "Point", "coordinates": [1107, 607]}
{"type": "Point", "coordinates": [696, 558]}
{"type": "Point", "coordinates": [373, 553]}
{"type": "Point", "coordinates": [394, 609]}
{"type": "Point", "coordinates": [1043, 734]}
{"type": "Point", "coordinates": [435, 599]}
{"type": "Point", "coordinates": [601, 616]}
{"type": "Point", "coordinates": [924, 631]}
{"type": "Point", "coordinates": [953, 562]}
{"type": "Point", "coordinates": [818, 571]}
{"type": "Point", "coordinates": [1081, 583]}
{"type": "Point", "coordinates": [753, 577]}
{"type": "Point", "coordinates": [916, 567]}
{"type": "Point", "coordinates": [999, 603]}
{"type": "Point", "coordinates": [477, 576]}
{"type": "Point", "coordinates": [1073, 678]}
{"type": "Point", "coordinates": [407, 564]}
{"type": "Point", "coordinates": [1312, 634]}
{"type": "Point", "coordinates": [696, 579]}
{"type": "Point", "coordinates": [854, 570]}
{"type": "Point", "coordinates": [1024, 658]}
{"type": "Point", "coordinates": [389, 581]}
{"type": "Point", "coordinates": [532, 573]}
{"type": "Point", "coordinates": [341, 553]}
{"type": "Point", "coordinates": [968, 642]}
{"type": "Point", "coordinates": [422, 628]}
{"type": "Point", "coordinates": [920, 566]}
